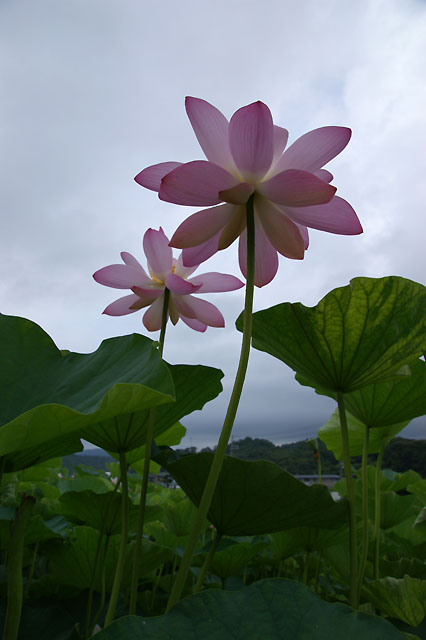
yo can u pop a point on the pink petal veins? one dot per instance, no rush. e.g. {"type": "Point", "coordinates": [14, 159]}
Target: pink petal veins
{"type": "Point", "coordinates": [201, 310]}
{"type": "Point", "coordinates": [233, 229]}
{"type": "Point", "coordinates": [238, 194]}
{"type": "Point", "coordinates": [179, 286]}
{"type": "Point", "coordinates": [192, 323]}
{"type": "Point", "coordinates": [153, 316]}
{"type": "Point", "coordinates": [196, 184]}
{"type": "Point", "coordinates": [336, 216]}
{"type": "Point", "coordinates": [266, 259]}
{"type": "Point", "coordinates": [296, 188]}
{"type": "Point", "coordinates": [158, 253]}
{"type": "Point", "coordinates": [216, 282]}
{"type": "Point", "coordinates": [151, 177]}
{"type": "Point", "coordinates": [314, 149]}
{"type": "Point", "coordinates": [282, 233]}
{"type": "Point", "coordinates": [251, 139]}
{"type": "Point", "coordinates": [145, 296]}
{"type": "Point", "coordinates": [122, 306]}
{"type": "Point", "coordinates": [121, 276]}
{"type": "Point", "coordinates": [193, 256]}
{"type": "Point", "coordinates": [201, 226]}
{"type": "Point", "coordinates": [212, 131]}
{"type": "Point", "coordinates": [323, 174]}
{"type": "Point", "coordinates": [280, 141]}
{"type": "Point", "coordinates": [180, 270]}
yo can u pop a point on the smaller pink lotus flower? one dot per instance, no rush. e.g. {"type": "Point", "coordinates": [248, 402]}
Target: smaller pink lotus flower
{"type": "Point", "coordinates": [165, 272]}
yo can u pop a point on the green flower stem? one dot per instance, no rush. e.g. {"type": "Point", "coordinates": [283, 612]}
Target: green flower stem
{"type": "Point", "coordinates": [32, 570]}
{"type": "Point", "coordinates": [207, 561]}
{"type": "Point", "coordinates": [377, 515]}
{"type": "Point", "coordinates": [353, 546]}
{"type": "Point", "coordinates": [14, 569]}
{"type": "Point", "coordinates": [164, 320]}
{"type": "Point", "coordinates": [229, 418]}
{"type": "Point", "coordinates": [123, 542]}
{"type": "Point", "coordinates": [364, 475]}
{"type": "Point", "coordinates": [92, 585]}
{"type": "Point", "coordinates": [103, 588]}
{"type": "Point", "coordinates": [144, 485]}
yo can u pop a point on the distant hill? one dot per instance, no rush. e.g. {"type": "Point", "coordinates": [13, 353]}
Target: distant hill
{"type": "Point", "coordinates": [298, 458]}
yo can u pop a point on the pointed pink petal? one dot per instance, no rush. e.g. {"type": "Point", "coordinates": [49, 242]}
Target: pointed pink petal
{"type": "Point", "coordinates": [232, 230]}
{"type": "Point", "coordinates": [323, 174]}
{"type": "Point", "coordinates": [194, 324]}
{"type": "Point", "coordinates": [296, 188]}
{"type": "Point", "coordinates": [238, 194]}
{"type": "Point", "coordinates": [282, 233]}
{"type": "Point", "coordinates": [201, 226]}
{"type": "Point", "coordinates": [121, 276]}
{"type": "Point", "coordinates": [127, 258]}
{"type": "Point", "coordinates": [336, 216]}
{"type": "Point", "coordinates": [305, 233]}
{"type": "Point", "coordinates": [216, 282]}
{"type": "Point", "coordinates": [180, 286]}
{"type": "Point", "coordinates": [181, 270]}
{"type": "Point", "coordinates": [196, 184]}
{"type": "Point", "coordinates": [158, 253]}
{"type": "Point", "coordinates": [146, 296]}
{"type": "Point", "coordinates": [266, 259]}
{"type": "Point", "coordinates": [251, 139]}
{"type": "Point", "coordinates": [314, 149]}
{"type": "Point", "coordinates": [151, 177]}
{"type": "Point", "coordinates": [211, 128]}
{"type": "Point", "coordinates": [173, 312]}
{"type": "Point", "coordinates": [193, 256]}
{"type": "Point", "coordinates": [195, 308]}
{"type": "Point", "coordinates": [122, 306]}
{"type": "Point", "coordinates": [153, 317]}
{"type": "Point", "coordinates": [280, 141]}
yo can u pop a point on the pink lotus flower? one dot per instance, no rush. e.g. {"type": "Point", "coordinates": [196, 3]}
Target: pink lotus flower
{"type": "Point", "coordinates": [165, 271]}
{"type": "Point", "coordinates": [247, 156]}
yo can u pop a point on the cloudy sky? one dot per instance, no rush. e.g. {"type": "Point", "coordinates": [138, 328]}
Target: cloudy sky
{"type": "Point", "coordinates": [93, 92]}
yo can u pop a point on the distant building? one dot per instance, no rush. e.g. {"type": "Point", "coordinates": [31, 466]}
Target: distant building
{"type": "Point", "coordinates": [328, 480]}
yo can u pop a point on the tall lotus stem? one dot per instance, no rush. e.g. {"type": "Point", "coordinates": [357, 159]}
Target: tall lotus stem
{"type": "Point", "coordinates": [144, 485]}
{"type": "Point", "coordinates": [14, 569]}
{"type": "Point", "coordinates": [207, 562]}
{"type": "Point", "coordinates": [377, 515]}
{"type": "Point", "coordinates": [363, 562]}
{"type": "Point", "coordinates": [353, 546]}
{"type": "Point", "coordinates": [229, 418]}
{"type": "Point", "coordinates": [123, 542]}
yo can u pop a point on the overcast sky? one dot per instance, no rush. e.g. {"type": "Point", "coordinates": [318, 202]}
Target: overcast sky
{"type": "Point", "coordinates": [93, 92]}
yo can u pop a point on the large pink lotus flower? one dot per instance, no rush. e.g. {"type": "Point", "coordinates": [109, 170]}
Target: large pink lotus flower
{"type": "Point", "coordinates": [247, 156]}
{"type": "Point", "coordinates": [165, 271]}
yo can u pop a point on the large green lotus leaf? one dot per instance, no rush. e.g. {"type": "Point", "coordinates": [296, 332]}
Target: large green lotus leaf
{"type": "Point", "coordinates": [267, 610]}
{"type": "Point", "coordinates": [102, 511]}
{"type": "Point", "coordinates": [253, 498]}
{"type": "Point", "coordinates": [404, 599]}
{"type": "Point", "coordinates": [194, 385]}
{"type": "Point", "coordinates": [330, 433]}
{"type": "Point", "coordinates": [51, 623]}
{"type": "Point", "coordinates": [73, 564]}
{"type": "Point", "coordinates": [355, 336]}
{"type": "Point", "coordinates": [24, 458]}
{"type": "Point", "coordinates": [414, 567]}
{"type": "Point", "coordinates": [169, 438]}
{"type": "Point", "coordinates": [97, 484]}
{"type": "Point", "coordinates": [386, 403]}
{"type": "Point", "coordinates": [286, 543]}
{"type": "Point", "coordinates": [179, 517]}
{"type": "Point", "coordinates": [46, 393]}
{"type": "Point", "coordinates": [232, 560]}
{"type": "Point", "coordinates": [419, 489]}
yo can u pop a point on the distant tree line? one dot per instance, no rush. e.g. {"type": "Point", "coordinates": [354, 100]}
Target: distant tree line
{"type": "Point", "coordinates": [297, 458]}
